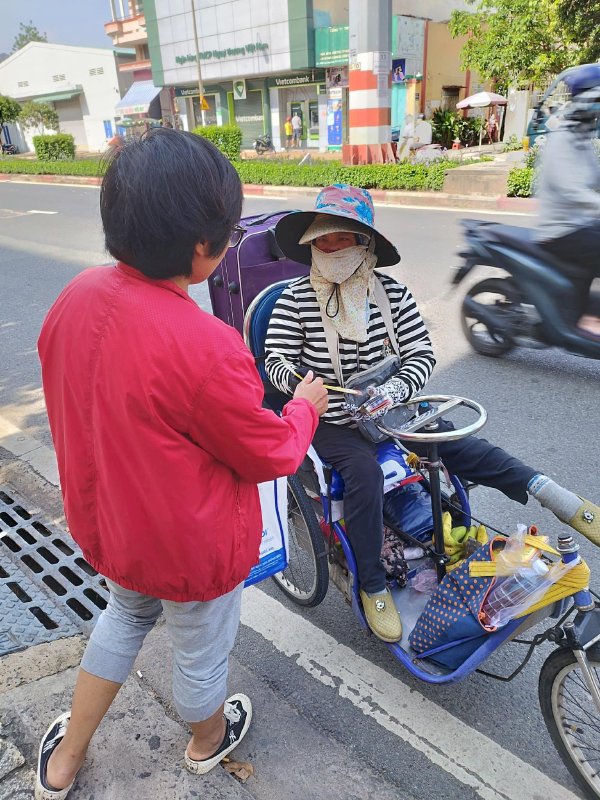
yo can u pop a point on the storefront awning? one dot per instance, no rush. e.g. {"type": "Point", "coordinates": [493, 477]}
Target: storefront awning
{"type": "Point", "coordinates": [137, 99]}
{"type": "Point", "coordinates": [56, 96]}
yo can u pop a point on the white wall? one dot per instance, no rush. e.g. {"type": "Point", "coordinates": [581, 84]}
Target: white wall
{"type": "Point", "coordinates": [38, 63]}
{"type": "Point", "coordinates": [223, 25]}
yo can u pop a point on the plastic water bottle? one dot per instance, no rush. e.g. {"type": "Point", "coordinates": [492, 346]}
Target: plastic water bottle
{"type": "Point", "coordinates": [515, 593]}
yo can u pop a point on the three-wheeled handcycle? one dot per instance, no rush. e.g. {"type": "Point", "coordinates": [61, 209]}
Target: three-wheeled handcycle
{"type": "Point", "coordinates": [319, 551]}
{"type": "Point", "coordinates": [243, 291]}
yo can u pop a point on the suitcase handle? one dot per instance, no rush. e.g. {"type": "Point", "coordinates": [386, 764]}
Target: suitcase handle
{"type": "Point", "coordinates": [265, 217]}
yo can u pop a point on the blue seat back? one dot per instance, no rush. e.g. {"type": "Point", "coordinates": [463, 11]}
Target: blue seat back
{"type": "Point", "coordinates": [256, 322]}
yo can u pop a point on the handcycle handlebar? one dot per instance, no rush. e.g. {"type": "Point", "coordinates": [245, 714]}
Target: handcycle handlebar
{"type": "Point", "coordinates": [411, 430]}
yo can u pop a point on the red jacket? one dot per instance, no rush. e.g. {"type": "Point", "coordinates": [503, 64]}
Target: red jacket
{"type": "Point", "coordinates": [155, 412]}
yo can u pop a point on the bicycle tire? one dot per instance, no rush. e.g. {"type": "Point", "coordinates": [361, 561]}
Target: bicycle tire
{"type": "Point", "coordinates": [306, 551]}
{"type": "Point", "coordinates": [563, 727]}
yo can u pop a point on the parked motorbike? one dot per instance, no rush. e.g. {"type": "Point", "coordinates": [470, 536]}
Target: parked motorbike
{"type": "Point", "coordinates": [9, 150]}
{"type": "Point", "coordinates": [526, 307]}
{"type": "Point", "coordinates": [264, 144]}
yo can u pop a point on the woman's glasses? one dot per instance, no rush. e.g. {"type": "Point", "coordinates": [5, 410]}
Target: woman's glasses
{"type": "Point", "coordinates": [236, 235]}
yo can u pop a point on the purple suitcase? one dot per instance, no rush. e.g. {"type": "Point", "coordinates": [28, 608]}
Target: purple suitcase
{"type": "Point", "coordinates": [257, 262]}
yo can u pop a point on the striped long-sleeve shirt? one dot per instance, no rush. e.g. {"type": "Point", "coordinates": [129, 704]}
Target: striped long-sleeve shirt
{"type": "Point", "coordinates": [296, 332]}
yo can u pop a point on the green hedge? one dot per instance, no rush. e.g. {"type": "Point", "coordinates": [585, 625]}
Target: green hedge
{"type": "Point", "coordinates": [54, 147]}
{"type": "Point", "coordinates": [405, 176]}
{"type": "Point", "coordinates": [228, 138]}
{"type": "Point", "coordinates": [520, 182]}
{"type": "Point", "coordinates": [410, 177]}
{"type": "Point", "coordinates": [23, 166]}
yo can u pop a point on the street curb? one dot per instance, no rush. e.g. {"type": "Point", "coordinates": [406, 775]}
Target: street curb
{"type": "Point", "coordinates": [516, 205]}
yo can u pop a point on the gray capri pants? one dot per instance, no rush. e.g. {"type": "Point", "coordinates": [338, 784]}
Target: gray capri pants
{"type": "Point", "coordinates": [202, 635]}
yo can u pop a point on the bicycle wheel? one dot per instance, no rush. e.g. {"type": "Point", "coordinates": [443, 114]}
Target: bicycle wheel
{"type": "Point", "coordinates": [306, 577]}
{"type": "Point", "coordinates": [572, 717]}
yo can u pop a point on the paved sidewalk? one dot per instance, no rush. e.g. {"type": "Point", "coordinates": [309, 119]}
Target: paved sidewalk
{"type": "Point", "coordinates": [137, 752]}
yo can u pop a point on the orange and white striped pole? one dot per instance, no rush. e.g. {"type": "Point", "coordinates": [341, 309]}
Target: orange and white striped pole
{"type": "Point", "coordinates": [369, 97]}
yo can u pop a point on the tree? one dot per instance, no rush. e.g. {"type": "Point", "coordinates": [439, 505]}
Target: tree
{"type": "Point", "coordinates": [581, 23]}
{"type": "Point", "coordinates": [9, 111]}
{"type": "Point", "coordinates": [27, 33]}
{"type": "Point", "coordinates": [38, 115]}
{"type": "Point", "coordinates": [514, 42]}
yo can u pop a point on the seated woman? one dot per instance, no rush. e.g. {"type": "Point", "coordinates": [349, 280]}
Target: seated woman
{"type": "Point", "coordinates": [339, 242]}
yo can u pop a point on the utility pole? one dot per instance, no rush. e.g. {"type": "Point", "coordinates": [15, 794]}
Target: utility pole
{"type": "Point", "coordinates": [370, 78]}
{"type": "Point", "coordinates": [200, 86]}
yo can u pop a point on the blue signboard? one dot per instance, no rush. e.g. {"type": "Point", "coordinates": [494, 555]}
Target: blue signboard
{"type": "Point", "coordinates": [334, 120]}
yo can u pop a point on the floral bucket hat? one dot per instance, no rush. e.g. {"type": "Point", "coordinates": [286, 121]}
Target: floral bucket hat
{"type": "Point", "coordinates": [340, 207]}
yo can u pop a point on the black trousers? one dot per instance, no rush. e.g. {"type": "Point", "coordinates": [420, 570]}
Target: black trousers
{"type": "Point", "coordinates": [581, 249]}
{"type": "Point", "coordinates": [471, 459]}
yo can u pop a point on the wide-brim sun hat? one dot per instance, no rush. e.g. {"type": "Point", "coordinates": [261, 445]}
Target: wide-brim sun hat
{"type": "Point", "coordinates": [348, 208]}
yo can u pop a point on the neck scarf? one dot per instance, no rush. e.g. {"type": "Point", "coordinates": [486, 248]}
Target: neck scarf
{"type": "Point", "coordinates": [342, 282]}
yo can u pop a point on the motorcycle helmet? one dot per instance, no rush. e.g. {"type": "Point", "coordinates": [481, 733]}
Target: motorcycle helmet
{"type": "Point", "coordinates": [580, 79]}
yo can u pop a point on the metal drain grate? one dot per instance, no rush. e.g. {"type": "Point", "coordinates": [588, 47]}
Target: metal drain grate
{"type": "Point", "coordinates": [47, 589]}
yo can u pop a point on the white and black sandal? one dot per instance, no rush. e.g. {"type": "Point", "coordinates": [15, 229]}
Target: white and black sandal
{"type": "Point", "coordinates": [238, 714]}
{"type": "Point", "coordinates": [52, 738]}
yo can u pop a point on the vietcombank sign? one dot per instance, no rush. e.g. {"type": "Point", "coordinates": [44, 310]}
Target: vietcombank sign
{"type": "Point", "coordinates": [302, 79]}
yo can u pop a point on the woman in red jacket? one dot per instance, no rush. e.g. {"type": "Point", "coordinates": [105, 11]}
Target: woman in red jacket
{"type": "Point", "coordinates": [155, 409]}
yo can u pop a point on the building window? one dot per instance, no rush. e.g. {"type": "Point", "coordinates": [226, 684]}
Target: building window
{"type": "Point", "coordinates": [97, 71]}
{"type": "Point", "coordinates": [58, 78]}
{"type": "Point", "coordinates": [143, 53]}
{"type": "Point", "coordinates": [21, 84]}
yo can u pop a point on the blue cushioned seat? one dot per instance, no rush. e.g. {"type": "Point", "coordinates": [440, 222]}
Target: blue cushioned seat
{"type": "Point", "coordinates": [256, 325]}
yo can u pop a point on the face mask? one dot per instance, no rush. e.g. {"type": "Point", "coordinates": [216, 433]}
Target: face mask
{"type": "Point", "coordinates": [339, 266]}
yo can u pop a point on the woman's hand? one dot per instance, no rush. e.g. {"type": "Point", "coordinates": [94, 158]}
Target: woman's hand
{"type": "Point", "coordinates": [312, 389]}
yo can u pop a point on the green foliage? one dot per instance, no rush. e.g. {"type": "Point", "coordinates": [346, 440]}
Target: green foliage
{"type": "Point", "coordinates": [27, 33]}
{"type": "Point", "coordinates": [228, 138]}
{"type": "Point", "coordinates": [512, 144]}
{"type": "Point", "coordinates": [9, 110]}
{"type": "Point", "coordinates": [57, 147]}
{"type": "Point", "coordinates": [23, 166]}
{"type": "Point", "coordinates": [520, 182]}
{"type": "Point", "coordinates": [514, 41]}
{"type": "Point", "coordinates": [405, 176]}
{"type": "Point", "coordinates": [449, 125]}
{"type": "Point", "coordinates": [581, 24]}
{"type": "Point", "coordinates": [39, 115]}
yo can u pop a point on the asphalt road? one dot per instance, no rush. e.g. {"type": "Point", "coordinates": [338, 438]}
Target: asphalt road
{"type": "Point", "coordinates": [542, 405]}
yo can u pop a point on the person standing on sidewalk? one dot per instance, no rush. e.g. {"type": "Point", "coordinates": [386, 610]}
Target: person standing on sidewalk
{"type": "Point", "coordinates": [289, 131]}
{"type": "Point", "coordinates": [297, 129]}
{"type": "Point", "coordinates": [155, 409]}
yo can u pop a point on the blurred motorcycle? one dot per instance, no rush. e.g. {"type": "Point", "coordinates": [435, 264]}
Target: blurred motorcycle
{"type": "Point", "coordinates": [524, 308]}
{"type": "Point", "coordinates": [9, 150]}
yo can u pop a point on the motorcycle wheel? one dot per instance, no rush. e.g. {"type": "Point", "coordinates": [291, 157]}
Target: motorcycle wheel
{"type": "Point", "coordinates": [306, 577]}
{"type": "Point", "coordinates": [571, 716]}
{"type": "Point", "coordinates": [497, 293]}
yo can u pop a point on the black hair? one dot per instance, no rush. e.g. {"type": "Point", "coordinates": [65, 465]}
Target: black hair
{"type": "Point", "coordinates": [163, 193]}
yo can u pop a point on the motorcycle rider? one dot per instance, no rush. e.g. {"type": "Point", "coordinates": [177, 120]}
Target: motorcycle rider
{"type": "Point", "coordinates": [569, 192]}
{"type": "Point", "coordinates": [340, 243]}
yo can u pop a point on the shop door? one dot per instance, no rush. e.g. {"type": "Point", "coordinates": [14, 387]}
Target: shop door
{"type": "Point", "coordinates": [248, 114]}
{"type": "Point", "coordinates": [210, 116]}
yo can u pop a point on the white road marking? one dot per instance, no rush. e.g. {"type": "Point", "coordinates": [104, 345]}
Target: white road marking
{"type": "Point", "coordinates": [35, 211]}
{"type": "Point", "coordinates": [464, 753]}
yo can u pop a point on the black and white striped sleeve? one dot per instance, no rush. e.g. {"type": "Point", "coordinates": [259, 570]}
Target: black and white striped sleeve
{"type": "Point", "coordinates": [414, 343]}
{"type": "Point", "coordinates": [285, 336]}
